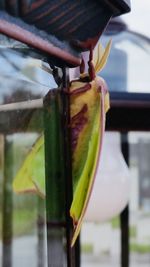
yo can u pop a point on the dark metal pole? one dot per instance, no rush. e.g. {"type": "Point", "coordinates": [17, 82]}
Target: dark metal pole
{"type": "Point", "coordinates": [68, 166]}
{"type": "Point", "coordinates": [73, 254]}
{"type": "Point", "coordinates": [124, 217]}
{"type": "Point", "coordinates": [55, 179]}
{"type": "Point", "coordinates": [7, 206]}
{"type": "Point", "coordinates": [78, 252]}
{"type": "Point", "coordinates": [40, 232]}
{"type": "Point", "coordinates": [58, 169]}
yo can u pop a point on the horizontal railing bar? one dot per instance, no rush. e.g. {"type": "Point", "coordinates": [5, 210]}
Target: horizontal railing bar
{"type": "Point", "coordinates": [30, 104]}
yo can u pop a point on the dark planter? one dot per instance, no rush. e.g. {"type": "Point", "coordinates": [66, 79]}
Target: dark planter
{"type": "Point", "coordinates": [59, 28]}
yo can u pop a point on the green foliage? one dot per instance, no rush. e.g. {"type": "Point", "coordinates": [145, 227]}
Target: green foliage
{"type": "Point", "coordinates": [31, 175]}
{"type": "Point", "coordinates": [140, 248]}
{"type": "Point", "coordinates": [0, 225]}
{"type": "Point", "coordinates": [133, 231]}
{"type": "Point", "coordinates": [115, 222]}
{"type": "Point", "coordinates": [24, 222]}
{"type": "Point", "coordinates": [87, 248]}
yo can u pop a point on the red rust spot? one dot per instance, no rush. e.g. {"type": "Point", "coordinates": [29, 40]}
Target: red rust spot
{"type": "Point", "coordinates": [86, 45]}
{"type": "Point", "coordinates": [37, 4]}
{"type": "Point", "coordinates": [81, 90]}
{"type": "Point", "coordinates": [77, 124]}
{"type": "Point", "coordinates": [80, 113]}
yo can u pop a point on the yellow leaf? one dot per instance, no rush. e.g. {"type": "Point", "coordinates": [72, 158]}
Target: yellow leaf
{"type": "Point", "coordinates": [97, 55]}
{"type": "Point", "coordinates": [31, 175]}
{"type": "Point", "coordinates": [102, 56]}
{"type": "Point", "coordinates": [87, 152]}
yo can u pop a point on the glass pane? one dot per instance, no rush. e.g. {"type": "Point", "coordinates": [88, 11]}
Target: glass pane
{"type": "Point", "coordinates": [22, 215]}
{"type": "Point", "coordinates": [128, 63]}
{"type": "Point", "coordinates": [133, 19]}
{"type": "Point", "coordinates": [23, 84]}
{"type": "Point", "coordinates": [100, 240]}
{"type": "Point", "coordinates": [140, 197]}
{"type": "Point", "coordinates": [100, 236]}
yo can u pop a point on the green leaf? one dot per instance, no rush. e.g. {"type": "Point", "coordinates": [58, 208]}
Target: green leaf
{"type": "Point", "coordinates": [31, 175]}
{"type": "Point", "coordinates": [88, 149]}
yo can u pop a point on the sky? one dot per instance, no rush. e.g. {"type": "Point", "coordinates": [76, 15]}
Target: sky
{"type": "Point", "coordinates": [139, 17]}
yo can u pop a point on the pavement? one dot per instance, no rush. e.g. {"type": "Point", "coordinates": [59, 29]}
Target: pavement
{"type": "Point", "coordinates": [25, 254]}
{"type": "Point", "coordinates": [107, 261]}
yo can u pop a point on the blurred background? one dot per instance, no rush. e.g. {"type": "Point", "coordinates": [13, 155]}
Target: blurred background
{"type": "Point", "coordinates": [24, 231]}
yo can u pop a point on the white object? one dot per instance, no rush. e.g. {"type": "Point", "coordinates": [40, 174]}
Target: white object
{"type": "Point", "coordinates": [110, 194]}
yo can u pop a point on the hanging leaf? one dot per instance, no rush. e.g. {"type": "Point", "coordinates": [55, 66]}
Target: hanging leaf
{"type": "Point", "coordinates": [89, 102]}
{"type": "Point", "coordinates": [102, 55]}
{"type": "Point", "coordinates": [87, 143]}
{"type": "Point", "coordinates": [97, 55]}
{"type": "Point", "coordinates": [89, 109]}
{"type": "Point", "coordinates": [31, 176]}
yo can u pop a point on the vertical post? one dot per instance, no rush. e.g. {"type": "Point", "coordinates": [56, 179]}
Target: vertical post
{"type": "Point", "coordinates": [78, 252]}
{"type": "Point", "coordinates": [40, 230]}
{"type": "Point", "coordinates": [58, 165]}
{"type": "Point", "coordinates": [55, 179]}
{"type": "Point", "coordinates": [7, 206]}
{"type": "Point", "coordinates": [124, 217]}
{"type": "Point", "coordinates": [71, 259]}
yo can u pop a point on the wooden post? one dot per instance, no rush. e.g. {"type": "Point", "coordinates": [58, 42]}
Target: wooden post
{"type": "Point", "coordinates": [7, 203]}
